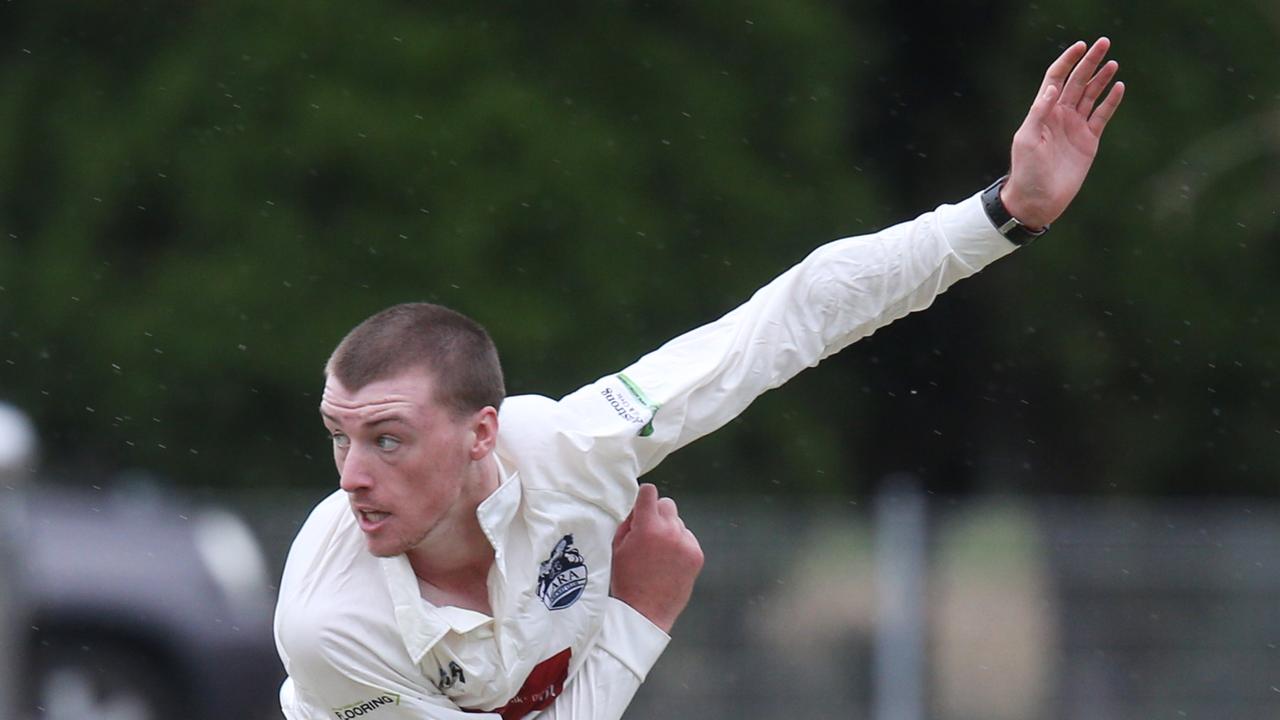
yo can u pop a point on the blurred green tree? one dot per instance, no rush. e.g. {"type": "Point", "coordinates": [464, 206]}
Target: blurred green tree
{"type": "Point", "coordinates": [198, 200]}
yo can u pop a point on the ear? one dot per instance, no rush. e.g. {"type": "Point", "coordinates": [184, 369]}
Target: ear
{"type": "Point", "coordinates": [484, 432]}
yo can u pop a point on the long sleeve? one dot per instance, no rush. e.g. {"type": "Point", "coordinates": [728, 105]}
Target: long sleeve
{"type": "Point", "coordinates": [624, 424]}
{"type": "Point", "coordinates": [619, 660]}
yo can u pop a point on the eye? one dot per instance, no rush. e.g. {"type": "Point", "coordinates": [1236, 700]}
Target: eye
{"type": "Point", "coordinates": [340, 440]}
{"type": "Point", "coordinates": [387, 443]}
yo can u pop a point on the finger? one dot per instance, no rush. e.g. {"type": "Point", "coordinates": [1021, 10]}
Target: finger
{"type": "Point", "coordinates": [646, 498]}
{"type": "Point", "coordinates": [1040, 108]}
{"type": "Point", "coordinates": [1101, 116]}
{"type": "Point", "coordinates": [1056, 75]}
{"type": "Point", "coordinates": [667, 509]}
{"type": "Point", "coordinates": [645, 510]}
{"type": "Point", "coordinates": [1084, 70]}
{"type": "Point", "coordinates": [1095, 87]}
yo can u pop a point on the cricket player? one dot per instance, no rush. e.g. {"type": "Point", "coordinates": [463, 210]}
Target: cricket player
{"type": "Point", "coordinates": [468, 562]}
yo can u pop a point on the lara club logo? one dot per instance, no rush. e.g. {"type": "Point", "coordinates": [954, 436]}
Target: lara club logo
{"type": "Point", "coordinates": [563, 577]}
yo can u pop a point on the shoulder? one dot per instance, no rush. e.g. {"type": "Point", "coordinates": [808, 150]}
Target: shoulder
{"type": "Point", "coordinates": [524, 418]}
{"type": "Point", "coordinates": [331, 585]}
{"type": "Point", "coordinates": [327, 545]}
{"type": "Point", "coordinates": [593, 419]}
{"type": "Point", "coordinates": [576, 448]}
{"type": "Point", "coordinates": [526, 433]}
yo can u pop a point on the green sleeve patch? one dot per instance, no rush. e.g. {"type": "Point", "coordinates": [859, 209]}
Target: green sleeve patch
{"type": "Point", "coordinates": [643, 399]}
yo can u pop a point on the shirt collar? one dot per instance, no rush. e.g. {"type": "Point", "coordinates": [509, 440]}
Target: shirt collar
{"type": "Point", "coordinates": [496, 512]}
{"type": "Point", "coordinates": [421, 625]}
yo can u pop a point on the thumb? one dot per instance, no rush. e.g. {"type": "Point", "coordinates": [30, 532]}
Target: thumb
{"type": "Point", "coordinates": [623, 530]}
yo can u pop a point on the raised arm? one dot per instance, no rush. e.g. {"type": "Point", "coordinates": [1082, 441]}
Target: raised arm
{"type": "Point", "coordinates": [843, 291]}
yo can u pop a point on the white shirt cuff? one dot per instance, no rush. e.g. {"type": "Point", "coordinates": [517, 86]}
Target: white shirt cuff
{"type": "Point", "coordinates": [631, 638]}
{"type": "Point", "coordinates": [970, 233]}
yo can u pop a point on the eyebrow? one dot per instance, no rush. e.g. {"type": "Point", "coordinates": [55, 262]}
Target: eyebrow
{"type": "Point", "coordinates": [380, 421]}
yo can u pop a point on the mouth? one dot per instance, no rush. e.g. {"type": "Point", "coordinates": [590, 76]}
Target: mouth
{"type": "Point", "coordinates": [371, 520]}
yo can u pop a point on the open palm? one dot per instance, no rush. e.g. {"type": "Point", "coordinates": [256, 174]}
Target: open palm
{"type": "Point", "coordinates": [1055, 146]}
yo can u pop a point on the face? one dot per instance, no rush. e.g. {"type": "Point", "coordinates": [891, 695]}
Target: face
{"type": "Point", "coordinates": [410, 467]}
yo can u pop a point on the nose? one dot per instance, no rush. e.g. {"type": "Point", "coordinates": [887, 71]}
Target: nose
{"type": "Point", "coordinates": [353, 471]}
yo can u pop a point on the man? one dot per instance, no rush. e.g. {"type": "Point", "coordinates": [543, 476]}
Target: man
{"type": "Point", "coordinates": [656, 561]}
{"type": "Point", "coordinates": [464, 567]}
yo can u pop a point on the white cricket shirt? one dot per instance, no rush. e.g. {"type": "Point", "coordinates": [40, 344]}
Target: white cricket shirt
{"type": "Point", "coordinates": [358, 640]}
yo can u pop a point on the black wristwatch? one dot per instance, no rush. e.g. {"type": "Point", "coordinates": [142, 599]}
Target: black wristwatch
{"type": "Point", "coordinates": [1006, 224]}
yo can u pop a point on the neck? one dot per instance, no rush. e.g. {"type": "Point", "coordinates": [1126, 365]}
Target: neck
{"type": "Point", "coordinates": [453, 562]}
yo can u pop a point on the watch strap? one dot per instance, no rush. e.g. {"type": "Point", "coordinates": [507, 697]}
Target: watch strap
{"type": "Point", "coordinates": [1005, 223]}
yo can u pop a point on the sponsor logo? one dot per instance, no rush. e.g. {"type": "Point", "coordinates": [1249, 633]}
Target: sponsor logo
{"type": "Point", "coordinates": [622, 406]}
{"type": "Point", "coordinates": [540, 688]}
{"type": "Point", "coordinates": [630, 404]}
{"type": "Point", "coordinates": [361, 709]}
{"type": "Point", "coordinates": [563, 576]}
{"type": "Point", "coordinates": [448, 679]}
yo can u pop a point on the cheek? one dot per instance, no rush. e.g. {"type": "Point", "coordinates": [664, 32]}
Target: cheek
{"type": "Point", "coordinates": [422, 487]}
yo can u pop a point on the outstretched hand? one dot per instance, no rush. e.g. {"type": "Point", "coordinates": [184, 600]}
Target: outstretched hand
{"type": "Point", "coordinates": [655, 559]}
{"type": "Point", "coordinates": [1055, 146]}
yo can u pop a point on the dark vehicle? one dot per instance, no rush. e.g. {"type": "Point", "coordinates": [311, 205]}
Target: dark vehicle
{"type": "Point", "coordinates": [140, 606]}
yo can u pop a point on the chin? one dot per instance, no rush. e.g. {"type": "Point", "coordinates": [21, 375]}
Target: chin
{"type": "Point", "coordinates": [383, 550]}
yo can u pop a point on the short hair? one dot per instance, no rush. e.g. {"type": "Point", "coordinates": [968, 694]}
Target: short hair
{"type": "Point", "coordinates": [453, 349]}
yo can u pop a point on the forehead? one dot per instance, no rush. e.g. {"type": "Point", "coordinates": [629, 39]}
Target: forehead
{"type": "Point", "coordinates": [408, 395]}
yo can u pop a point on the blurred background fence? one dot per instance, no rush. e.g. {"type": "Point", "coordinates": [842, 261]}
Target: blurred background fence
{"type": "Point", "coordinates": [1060, 608]}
